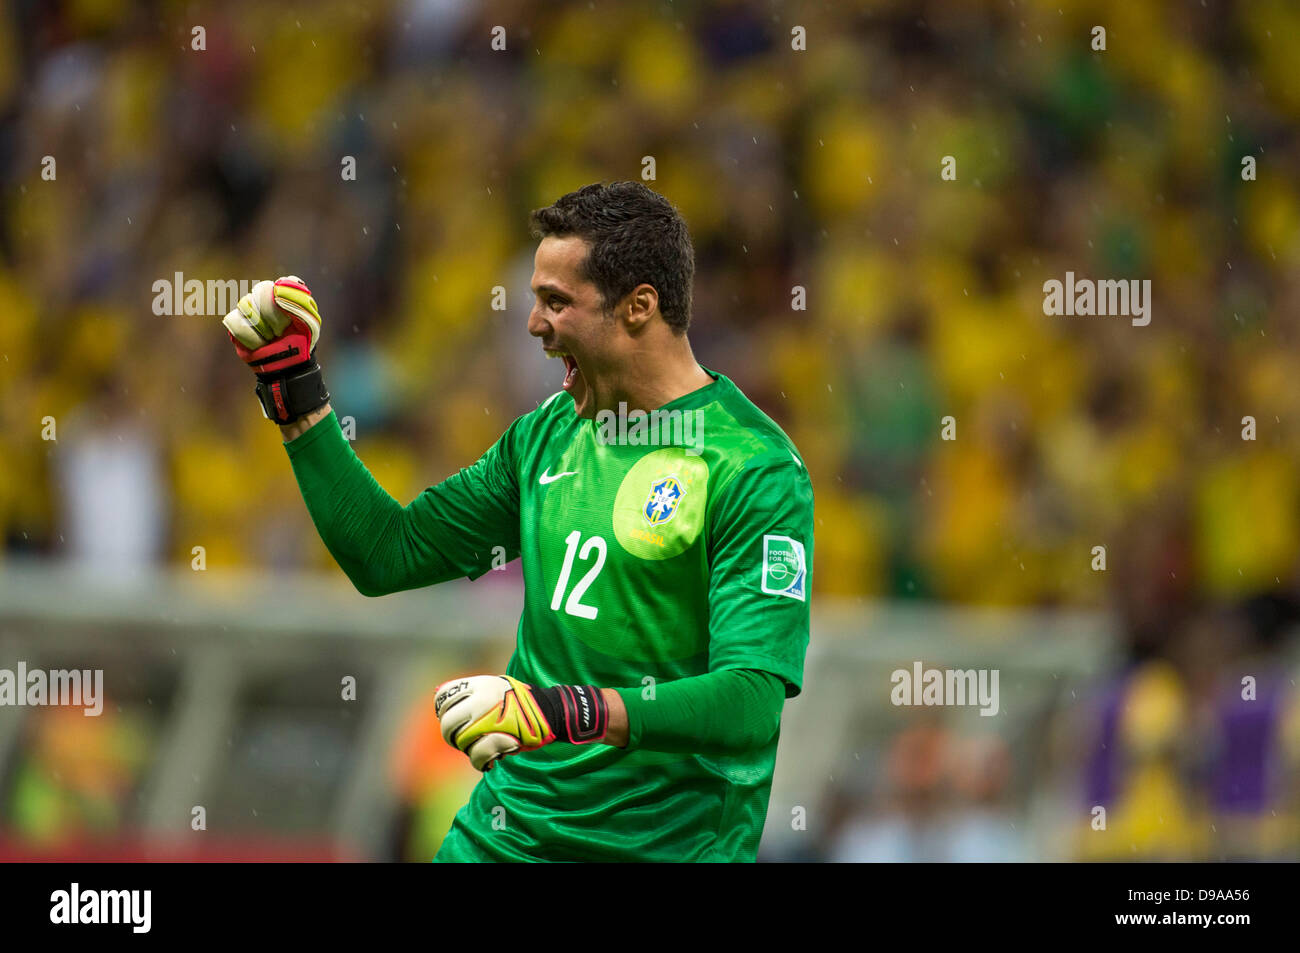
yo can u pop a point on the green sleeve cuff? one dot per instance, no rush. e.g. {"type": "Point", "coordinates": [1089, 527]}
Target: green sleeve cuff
{"type": "Point", "coordinates": [327, 425]}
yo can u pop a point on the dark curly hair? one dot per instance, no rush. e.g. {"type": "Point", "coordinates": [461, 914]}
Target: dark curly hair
{"type": "Point", "coordinates": [636, 236]}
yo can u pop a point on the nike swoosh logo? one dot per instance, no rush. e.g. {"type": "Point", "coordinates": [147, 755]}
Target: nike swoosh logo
{"type": "Point", "coordinates": [546, 478]}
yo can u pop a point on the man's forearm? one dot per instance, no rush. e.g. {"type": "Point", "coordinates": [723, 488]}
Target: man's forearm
{"type": "Point", "coordinates": [382, 546]}
{"type": "Point", "coordinates": [721, 713]}
{"type": "Point", "coordinates": [616, 733]}
{"type": "Point", "coordinates": [303, 424]}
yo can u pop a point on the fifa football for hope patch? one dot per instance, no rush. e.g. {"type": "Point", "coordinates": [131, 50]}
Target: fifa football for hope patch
{"type": "Point", "coordinates": [785, 571]}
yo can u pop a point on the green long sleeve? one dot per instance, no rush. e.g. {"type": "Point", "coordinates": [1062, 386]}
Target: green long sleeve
{"type": "Point", "coordinates": [450, 530]}
{"type": "Point", "coordinates": [726, 712]}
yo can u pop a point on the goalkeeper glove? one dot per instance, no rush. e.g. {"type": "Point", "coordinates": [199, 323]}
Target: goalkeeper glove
{"type": "Point", "coordinates": [490, 716]}
{"type": "Point", "coordinates": [275, 328]}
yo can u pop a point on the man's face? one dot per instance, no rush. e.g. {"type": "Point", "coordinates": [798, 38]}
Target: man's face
{"type": "Point", "coordinates": [568, 318]}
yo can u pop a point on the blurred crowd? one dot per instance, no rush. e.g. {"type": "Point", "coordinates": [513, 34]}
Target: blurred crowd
{"type": "Point", "coordinates": [130, 438]}
{"type": "Point", "coordinates": [1189, 756]}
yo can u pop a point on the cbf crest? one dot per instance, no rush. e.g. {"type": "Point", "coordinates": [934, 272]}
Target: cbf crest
{"type": "Point", "coordinates": [661, 504]}
{"type": "Point", "coordinates": [666, 494]}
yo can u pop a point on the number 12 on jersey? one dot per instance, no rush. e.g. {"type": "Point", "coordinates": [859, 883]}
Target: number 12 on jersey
{"type": "Point", "coordinates": [575, 605]}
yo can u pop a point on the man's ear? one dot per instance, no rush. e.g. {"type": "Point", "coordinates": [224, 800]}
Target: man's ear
{"type": "Point", "coordinates": [642, 304]}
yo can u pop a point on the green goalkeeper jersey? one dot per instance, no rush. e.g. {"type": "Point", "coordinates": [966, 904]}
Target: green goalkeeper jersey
{"type": "Point", "coordinates": [677, 545]}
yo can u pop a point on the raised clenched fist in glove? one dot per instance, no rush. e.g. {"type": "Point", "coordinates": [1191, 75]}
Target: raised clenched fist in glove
{"type": "Point", "coordinates": [275, 328]}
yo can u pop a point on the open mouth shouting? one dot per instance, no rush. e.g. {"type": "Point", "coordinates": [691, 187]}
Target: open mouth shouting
{"type": "Point", "coordinates": [571, 372]}
{"type": "Point", "coordinates": [574, 383]}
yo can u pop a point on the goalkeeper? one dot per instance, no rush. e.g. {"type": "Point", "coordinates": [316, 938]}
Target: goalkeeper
{"type": "Point", "coordinates": [666, 578]}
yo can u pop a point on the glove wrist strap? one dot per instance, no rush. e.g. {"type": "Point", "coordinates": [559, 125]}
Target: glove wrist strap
{"type": "Point", "coordinates": [578, 713]}
{"type": "Point", "coordinates": [293, 392]}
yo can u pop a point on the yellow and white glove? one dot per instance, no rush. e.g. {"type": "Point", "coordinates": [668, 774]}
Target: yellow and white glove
{"type": "Point", "coordinates": [491, 716]}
